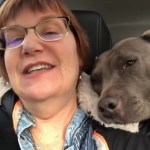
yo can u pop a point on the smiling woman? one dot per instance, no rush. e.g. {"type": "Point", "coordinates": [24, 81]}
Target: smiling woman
{"type": "Point", "coordinates": [42, 60]}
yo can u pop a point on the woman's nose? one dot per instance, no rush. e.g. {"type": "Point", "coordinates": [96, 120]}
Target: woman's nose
{"type": "Point", "coordinates": [31, 44]}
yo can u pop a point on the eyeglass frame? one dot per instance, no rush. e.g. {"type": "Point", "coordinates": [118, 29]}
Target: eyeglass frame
{"type": "Point", "coordinates": [68, 22]}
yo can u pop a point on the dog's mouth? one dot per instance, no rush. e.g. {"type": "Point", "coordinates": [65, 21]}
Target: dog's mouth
{"type": "Point", "coordinates": [120, 113]}
{"type": "Point", "coordinates": [111, 110]}
{"type": "Point", "coordinates": [117, 118]}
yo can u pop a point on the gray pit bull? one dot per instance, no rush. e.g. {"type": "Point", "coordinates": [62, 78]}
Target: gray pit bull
{"type": "Point", "coordinates": [121, 84]}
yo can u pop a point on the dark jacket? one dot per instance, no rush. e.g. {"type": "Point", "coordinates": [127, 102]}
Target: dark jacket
{"type": "Point", "coordinates": [116, 139]}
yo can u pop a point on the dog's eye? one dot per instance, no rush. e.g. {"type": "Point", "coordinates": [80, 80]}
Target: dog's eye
{"type": "Point", "coordinates": [129, 63]}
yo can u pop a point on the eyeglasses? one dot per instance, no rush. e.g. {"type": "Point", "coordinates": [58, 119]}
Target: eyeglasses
{"type": "Point", "coordinates": [51, 29]}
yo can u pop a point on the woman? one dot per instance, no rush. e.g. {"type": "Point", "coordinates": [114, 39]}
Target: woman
{"type": "Point", "coordinates": [43, 53]}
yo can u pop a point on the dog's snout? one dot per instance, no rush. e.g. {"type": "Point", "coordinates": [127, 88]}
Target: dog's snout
{"type": "Point", "coordinates": [108, 105]}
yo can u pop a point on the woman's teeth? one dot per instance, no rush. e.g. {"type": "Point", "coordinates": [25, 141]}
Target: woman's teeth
{"type": "Point", "coordinates": [38, 67]}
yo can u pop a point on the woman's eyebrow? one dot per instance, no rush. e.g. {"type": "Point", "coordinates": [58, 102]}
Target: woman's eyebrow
{"type": "Point", "coordinates": [48, 16]}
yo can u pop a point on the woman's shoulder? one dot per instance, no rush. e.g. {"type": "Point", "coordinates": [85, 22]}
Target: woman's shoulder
{"type": "Point", "coordinates": [8, 139]}
{"type": "Point", "coordinates": [7, 103]}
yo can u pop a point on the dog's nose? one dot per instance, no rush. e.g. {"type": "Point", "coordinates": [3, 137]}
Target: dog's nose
{"type": "Point", "coordinates": [108, 105]}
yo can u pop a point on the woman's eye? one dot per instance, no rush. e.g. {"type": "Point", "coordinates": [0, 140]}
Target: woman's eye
{"type": "Point", "coordinates": [13, 42]}
{"type": "Point", "coordinates": [129, 63]}
{"type": "Point", "coordinates": [49, 33]}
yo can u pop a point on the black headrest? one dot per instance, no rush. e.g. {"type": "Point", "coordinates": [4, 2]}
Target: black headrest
{"type": "Point", "coordinates": [97, 31]}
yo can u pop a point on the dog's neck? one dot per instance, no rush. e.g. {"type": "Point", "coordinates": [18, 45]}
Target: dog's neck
{"type": "Point", "coordinates": [88, 100]}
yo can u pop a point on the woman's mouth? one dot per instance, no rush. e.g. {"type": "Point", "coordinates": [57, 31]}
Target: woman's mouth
{"type": "Point", "coordinates": [33, 68]}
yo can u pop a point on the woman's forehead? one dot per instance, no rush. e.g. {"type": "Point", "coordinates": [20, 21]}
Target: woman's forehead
{"type": "Point", "coordinates": [24, 10]}
{"type": "Point", "coordinates": [27, 17]}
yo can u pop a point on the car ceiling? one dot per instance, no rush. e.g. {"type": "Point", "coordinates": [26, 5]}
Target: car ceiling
{"type": "Point", "coordinates": [124, 18]}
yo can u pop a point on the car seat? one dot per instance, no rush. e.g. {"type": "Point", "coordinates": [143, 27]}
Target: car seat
{"type": "Point", "coordinates": [97, 31]}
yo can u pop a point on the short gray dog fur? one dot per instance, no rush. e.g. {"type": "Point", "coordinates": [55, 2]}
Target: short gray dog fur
{"type": "Point", "coordinates": [121, 80]}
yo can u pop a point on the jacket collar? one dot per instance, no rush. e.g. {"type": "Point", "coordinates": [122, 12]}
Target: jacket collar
{"type": "Point", "coordinates": [8, 101]}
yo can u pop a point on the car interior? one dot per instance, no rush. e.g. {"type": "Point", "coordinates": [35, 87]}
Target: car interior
{"type": "Point", "coordinates": [124, 18]}
{"type": "Point", "coordinates": [107, 22]}
{"type": "Point", "coordinates": [97, 31]}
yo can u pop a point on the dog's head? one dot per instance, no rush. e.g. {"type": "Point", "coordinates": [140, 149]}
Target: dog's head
{"type": "Point", "coordinates": [121, 78]}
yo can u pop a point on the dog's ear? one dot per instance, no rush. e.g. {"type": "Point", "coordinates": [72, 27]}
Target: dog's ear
{"type": "Point", "coordinates": [146, 36]}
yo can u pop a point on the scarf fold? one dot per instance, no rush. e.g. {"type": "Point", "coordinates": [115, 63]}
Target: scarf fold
{"type": "Point", "coordinates": [79, 133]}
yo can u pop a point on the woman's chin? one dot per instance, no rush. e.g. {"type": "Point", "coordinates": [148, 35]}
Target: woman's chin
{"type": "Point", "coordinates": [37, 95]}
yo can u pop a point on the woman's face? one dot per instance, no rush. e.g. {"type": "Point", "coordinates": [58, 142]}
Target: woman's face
{"type": "Point", "coordinates": [61, 57]}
